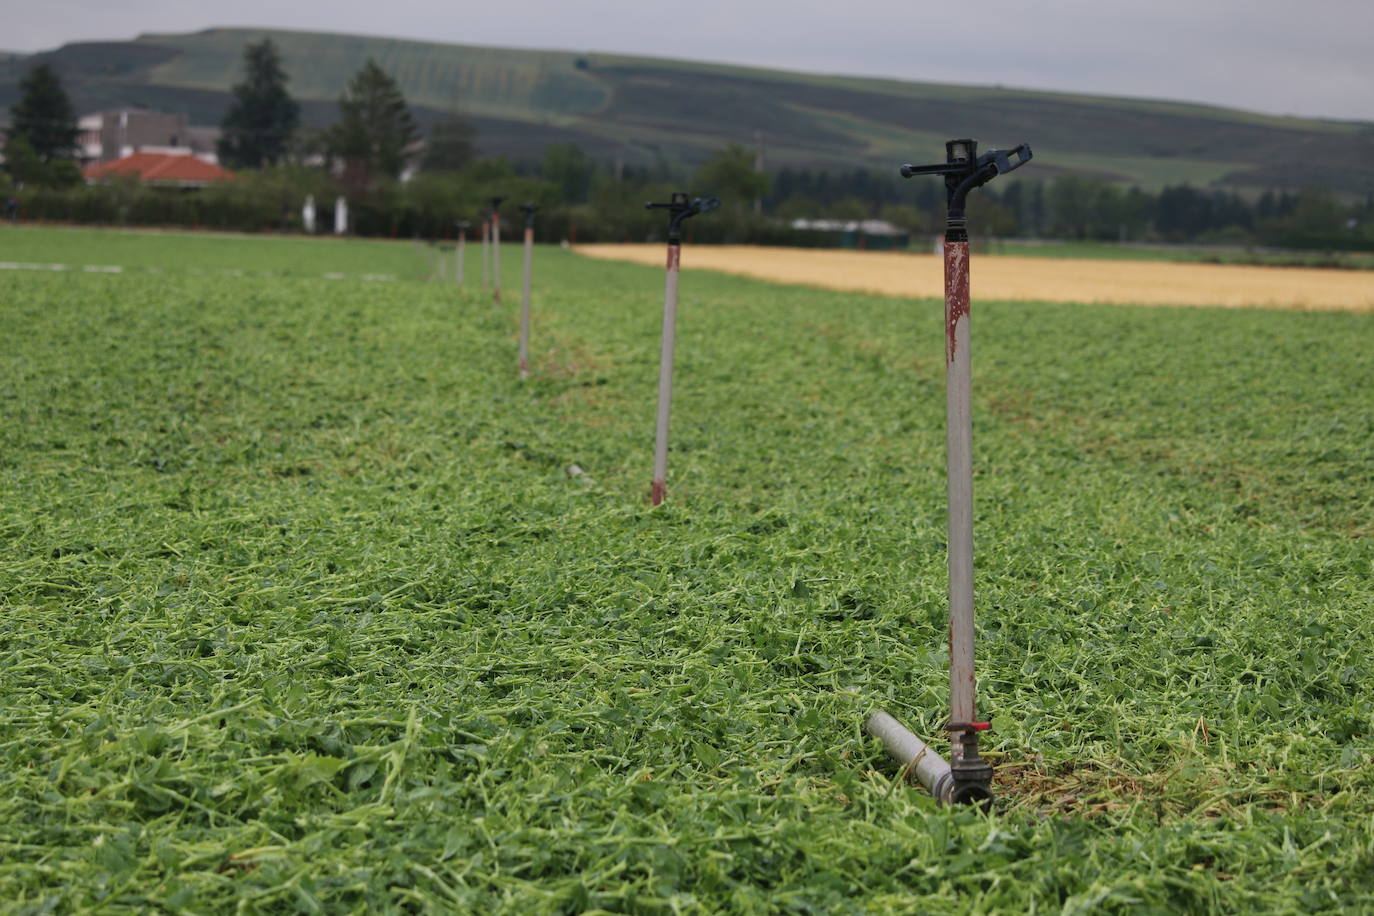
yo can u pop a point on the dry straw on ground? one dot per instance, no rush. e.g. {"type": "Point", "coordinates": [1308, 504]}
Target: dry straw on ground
{"type": "Point", "coordinates": [1031, 278]}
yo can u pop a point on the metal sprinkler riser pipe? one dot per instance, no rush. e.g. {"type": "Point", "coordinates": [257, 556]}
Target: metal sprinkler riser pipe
{"type": "Point", "coordinates": [680, 207]}
{"type": "Point", "coordinates": [496, 249]}
{"type": "Point", "coordinates": [959, 453]}
{"type": "Point", "coordinates": [486, 252]}
{"type": "Point", "coordinates": [529, 210]}
{"type": "Point", "coordinates": [963, 170]}
{"type": "Point", "coordinates": [460, 253]}
{"type": "Point", "coordinates": [658, 489]}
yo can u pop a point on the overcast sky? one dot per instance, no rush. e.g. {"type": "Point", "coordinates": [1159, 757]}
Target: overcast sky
{"type": "Point", "coordinates": [1313, 58]}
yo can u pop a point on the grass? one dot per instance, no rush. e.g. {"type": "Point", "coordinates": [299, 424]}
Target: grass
{"type": "Point", "coordinates": [211, 253]}
{"type": "Point", "coordinates": [301, 610]}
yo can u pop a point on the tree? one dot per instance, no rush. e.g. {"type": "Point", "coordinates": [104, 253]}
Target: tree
{"type": "Point", "coordinates": [1071, 200]}
{"type": "Point", "coordinates": [1182, 212]}
{"type": "Point", "coordinates": [1317, 220]}
{"type": "Point", "coordinates": [42, 136]}
{"type": "Point", "coordinates": [993, 218]}
{"type": "Point", "coordinates": [797, 206]}
{"type": "Point", "coordinates": [27, 167]}
{"type": "Point", "coordinates": [263, 116]}
{"type": "Point", "coordinates": [569, 168]}
{"type": "Point", "coordinates": [452, 144]}
{"type": "Point", "coordinates": [849, 208]}
{"type": "Point", "coordinates": [730, 173]}
{"type": "Point", "coordinates": [907, 217]}
{"type": "Point", "coordinates": [375, 127]}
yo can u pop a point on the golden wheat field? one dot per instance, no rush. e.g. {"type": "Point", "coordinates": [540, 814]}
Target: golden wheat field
{"type": "Point", "coordinates": [1030, 278]}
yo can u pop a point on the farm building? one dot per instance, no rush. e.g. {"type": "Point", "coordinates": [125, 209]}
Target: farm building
{"type": "Point", "coordinates": [109, 135]}
{"type": "Point", "coordinates": [168, 170]}
{"type": "Point", "coordinates": [874, 234]}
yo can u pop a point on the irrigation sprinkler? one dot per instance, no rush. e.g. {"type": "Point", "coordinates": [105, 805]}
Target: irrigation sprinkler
{"type": "Point", "coordinates": [527, 209]}
{"type": "Point", "coordinates": [496, 249]}
{"type": "Point", "coordinates": [679, 208]}
{"type": "Point", "coordinates": [486, 251]}
{"type": "Point", "coordinates": [460, 252]}
{"type": "Point", "coordinates": [966, 778]}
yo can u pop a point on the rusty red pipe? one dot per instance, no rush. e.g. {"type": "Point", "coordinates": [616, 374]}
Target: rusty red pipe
{"type": "Point", "coordinates": [659, 488]}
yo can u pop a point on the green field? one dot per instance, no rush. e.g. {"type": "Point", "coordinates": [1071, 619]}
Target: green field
{"type": "Point", "coordinates": [302, 612]}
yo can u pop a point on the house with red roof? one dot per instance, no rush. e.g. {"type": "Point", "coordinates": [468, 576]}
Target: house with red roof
{"type": "Point", "coordinates": [167, 170]}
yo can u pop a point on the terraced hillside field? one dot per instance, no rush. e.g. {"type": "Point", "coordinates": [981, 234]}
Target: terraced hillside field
{"type": "Point", "coordinates": [634, 109]}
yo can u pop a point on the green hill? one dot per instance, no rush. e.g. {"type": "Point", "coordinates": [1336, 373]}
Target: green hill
{"type": "Point", "coordinates": [651, 110]}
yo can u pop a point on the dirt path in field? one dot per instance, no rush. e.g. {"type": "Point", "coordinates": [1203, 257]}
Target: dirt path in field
{"type": "Point", "coordinates": [1029, 278]}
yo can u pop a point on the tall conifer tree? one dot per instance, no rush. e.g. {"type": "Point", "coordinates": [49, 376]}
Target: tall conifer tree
{"type": "Point", "coordinates": [44, 115]}
{"type": "Point", "coordinates": [452, 144]}
{"type": "Point", "coordinates": [263, 116]}
{"type": "Point", "coordinates": [41, 143]}
{"type": "Point", "coordinates": [375, 126]}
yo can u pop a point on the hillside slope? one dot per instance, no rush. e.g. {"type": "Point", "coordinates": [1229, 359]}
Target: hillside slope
{"type": "Point", "coordinates": [648, 110]}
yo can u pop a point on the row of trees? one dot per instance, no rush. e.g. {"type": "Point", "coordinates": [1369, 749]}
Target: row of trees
{"type": "Point", "coordinates": [262, 127]}
{"type": "Point", "coordinates": [1075, 207]}
{"type": "Point", "coordinates": [375, 139]}
{"type": "Point", "coordinates": [1087, 208]}
{"type": "Point", "coordinates": [583, 203]}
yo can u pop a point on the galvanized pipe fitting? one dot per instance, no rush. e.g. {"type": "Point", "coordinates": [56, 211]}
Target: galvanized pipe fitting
{"type": "Point", "coordinates": [971, 784]}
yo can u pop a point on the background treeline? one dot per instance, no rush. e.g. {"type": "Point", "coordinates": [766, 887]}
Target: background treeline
{"type": "Point", "coordinates": [396, 185]}
{"type": "Point", "coordinates": [1087, 208]}
{"type": "Point", "coordinates": [611, 209]}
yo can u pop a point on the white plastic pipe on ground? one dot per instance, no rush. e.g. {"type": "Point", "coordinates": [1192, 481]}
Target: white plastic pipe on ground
{"type": "Point", "coordinates": [918, 758]}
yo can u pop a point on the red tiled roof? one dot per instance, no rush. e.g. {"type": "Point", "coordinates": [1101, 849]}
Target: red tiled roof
{"type": "Point", "coordinates": [161, 167]}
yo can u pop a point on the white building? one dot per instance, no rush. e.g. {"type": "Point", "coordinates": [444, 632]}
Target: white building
{"type": "Point", "coordinates": [114, 134]}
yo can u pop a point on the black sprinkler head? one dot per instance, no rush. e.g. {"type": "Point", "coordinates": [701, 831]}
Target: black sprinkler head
{"type": "Point", "coordinates": [681, 207]}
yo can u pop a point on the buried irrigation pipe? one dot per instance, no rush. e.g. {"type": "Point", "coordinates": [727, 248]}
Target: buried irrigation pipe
{"type": "Point", "coordinates": [679, 208]}
{"type": "Point", "coordinates": [528, 209]}
{"type": "Point", "coordinates": [969, 777]}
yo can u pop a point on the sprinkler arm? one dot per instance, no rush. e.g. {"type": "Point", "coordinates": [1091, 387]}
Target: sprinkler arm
{"type": "Point", "coordinates": [964, 170]}
{"type": "Point", "coordinates": [679, 208]}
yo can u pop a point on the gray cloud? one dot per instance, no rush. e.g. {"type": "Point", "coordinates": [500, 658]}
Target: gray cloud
{"type": "Point", "coordinates": [1273, 56]}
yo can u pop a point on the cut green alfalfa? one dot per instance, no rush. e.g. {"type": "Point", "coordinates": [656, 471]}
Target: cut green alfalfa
{"type": "Point", "coordinates": [302, 609]}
